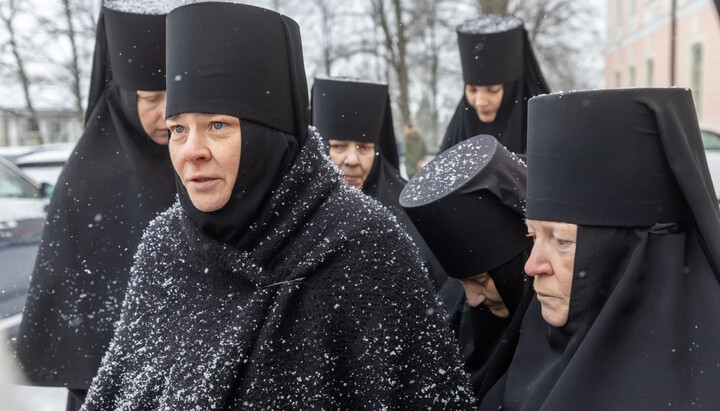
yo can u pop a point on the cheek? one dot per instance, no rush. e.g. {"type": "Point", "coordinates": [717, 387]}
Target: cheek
{"type": "Point", "coordinates": [565, 276]}
{"type": "Point", "coordinates": [336, 158]}
{"type": "Point", "coordinates": [176, 156]}
{"type": "Point", "coordinates": [367, 163]}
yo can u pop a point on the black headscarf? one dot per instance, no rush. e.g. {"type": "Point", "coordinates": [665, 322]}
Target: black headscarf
{"type": "Point", "coordinates": [645, 297]}
{"type": "Point", "coordinates": [495, 49]}
{"type": "Point", "coordinates": [352, 110]}
{"type": "Point", "coordinates": [209, 71]}
{"type": "Point", "coordinates": [468, 203]}
{"type": "Point", "coordinates": [116, 180]}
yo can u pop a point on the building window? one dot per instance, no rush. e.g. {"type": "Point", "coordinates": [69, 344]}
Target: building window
{"type": "Point", "coordinates": [649, 72]}
{"type": "Point", "coordinates": [696, 56]}
{"type": "Point", "coordinates": [631, 76]}
{"type": "Point", "coordinates": [618, 13]}
{"type": "Point", "coordinates": [617, 79]}
{"type": "Point", "coordinates": [633, 7]}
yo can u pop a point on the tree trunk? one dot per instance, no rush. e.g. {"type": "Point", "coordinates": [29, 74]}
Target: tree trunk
{"type": "Point", "coordinates": [401, 65]}
{"type": "Point", "coordinates": [74, 63]}
{"type": "Point", "coordinates": [493, 6]}
{"type": "Point", "coordinates": [21, 73]}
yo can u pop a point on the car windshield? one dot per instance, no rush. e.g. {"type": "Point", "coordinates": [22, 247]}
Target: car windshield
{"type": "Point", "coordinates": [14, 185]}
{"type": "Point", "coordinates": [711, 141]}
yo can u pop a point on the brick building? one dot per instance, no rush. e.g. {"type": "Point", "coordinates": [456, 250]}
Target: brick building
{"type": "Point", "coordinates": [639, 49]}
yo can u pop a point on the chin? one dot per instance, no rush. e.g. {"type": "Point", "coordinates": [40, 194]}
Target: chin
{"type": "Point", "coordinates": [554, 318]}
{"type": "Point", "coordinates": [207, 205]}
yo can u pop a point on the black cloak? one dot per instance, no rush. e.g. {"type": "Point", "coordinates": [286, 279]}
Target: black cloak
{"type": "Point", "coordinates": [317, 300]}
{"type": "Point", "coordinates": [116, 180]}
{"type": "Point", "coordinates": [645, 299]}
{"type": "Point", "coordinates": [495, 49]}
{"type": "Point", "coordinates": [346, 109]}
{"type": "Point", "coordinates": [468, 203]}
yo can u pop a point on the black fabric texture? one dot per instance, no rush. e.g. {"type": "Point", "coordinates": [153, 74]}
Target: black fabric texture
{"type": "Point", "coordinates": [510, 124]}
{"type": "Point", "coordinates": [322, 304]}
{"type": "Point", "coordinates": [203, 65]}
{"type": "Point", "coordinates": [630, 190]}
{"type": "Point", "coordinates": [468, 204]}
{"type": "Point", "coordinates": [645, 298]}
{"type": "Point", "coordinates": [136, 49]}
{"type": "Point", "coordinates": [347, 109]}
{"type": "Point", "coordinates": [491, 57]}
{"type": "Point", "coordinates": [332, 100]}
{"type": "Point", "coordinates": [115, 181]}
{"type": "Point", "coordinates": [268, 154]}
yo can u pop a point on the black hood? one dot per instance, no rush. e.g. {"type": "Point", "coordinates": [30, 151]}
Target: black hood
{"type": "Point", "coordinates": [246, 62]}
{"type": "Point", "coordinates": [495, 49]}
{"type": "Point", "coordinates": [645, 290]}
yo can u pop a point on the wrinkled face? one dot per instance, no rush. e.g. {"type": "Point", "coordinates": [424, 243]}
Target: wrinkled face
{"type": "Point", "coordinates": [205, 152]}
{"type": "Point", "coordinates": [151, 109]}
{"type": "Point", "coordinates": [551, 265]}
{"type": "Point", "coordinates": [354, 158]}
{"type": "Point", "coordinates": [485, 100]}
{"type": "Point", "coordinates": [481, 289]}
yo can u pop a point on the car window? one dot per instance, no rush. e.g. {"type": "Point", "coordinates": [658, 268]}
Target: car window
{"type": "Point", "coordinates": [711, 141]}
{"type": "Point", "coordinates": [14, 185]}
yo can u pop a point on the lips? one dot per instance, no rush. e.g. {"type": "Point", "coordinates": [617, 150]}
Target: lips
{"type": "Point", "coordinates": [202, 183]}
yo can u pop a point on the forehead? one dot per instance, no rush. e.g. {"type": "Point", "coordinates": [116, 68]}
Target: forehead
{"type": "Point", "coordinates": [148, 93]}
{"type": "Point", "coordinates": [539, 225]}
{"type": "Point", "coordinates": [201, 117]}
{"type": "Point", "coordinates": [350, 142]}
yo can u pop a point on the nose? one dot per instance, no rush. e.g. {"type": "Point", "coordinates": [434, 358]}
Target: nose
{"type": "Point", "coordinates": [480, 99]}
{"type": "Point", "coordinates": [474, 293]}
{"type": "Point", "coordinates": [352, 157]}
{"type": "Point", "coordinates": [538, 263]}
{"type": "Point", "coordinates": [195, 149]}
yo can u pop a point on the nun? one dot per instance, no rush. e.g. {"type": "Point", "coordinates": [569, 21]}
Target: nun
{"type": "Point", "coordinates": [118, 178]}
{"type": "Point", "coordinates": [355, 119]}
{"type": "Point", "coordinates": [468, 203]}
{"type": "Point", "coordinates": [625, 261]}
{"type": "Point", "coordinates": [501, 73]}
{"type": "Point", "coordinates": [269, 284]}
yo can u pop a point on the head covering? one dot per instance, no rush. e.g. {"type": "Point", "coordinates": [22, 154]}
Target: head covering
{"type": "Point", "coordinates": [468, 203]}
{"type": "Point", "coordinates": [116, 180]}
{"type": "Point", "coordinates": [246, 62]}
{"type": "Point", "coordinates": [346, 109]}
{"type": "Point", "coordinates": [645, 294]}
{"type": "Point", "coordinates": [254, 71]}
{"type": "Point", "coordinates": [352, 110]}
{"type": "Point", "coordinates": [495, 49]}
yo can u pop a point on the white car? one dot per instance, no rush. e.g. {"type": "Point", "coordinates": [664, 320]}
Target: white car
{"type": "Point", "coordinates": [711, 142]}
{"type": "Point", "coordinates": [45, 165]}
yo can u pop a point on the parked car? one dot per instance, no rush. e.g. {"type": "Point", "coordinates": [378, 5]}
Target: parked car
{"type": "Point", "coordinates": [45, 165]}
{"type": "Point", "coordinates": [23, 204]}
{"type": "Point", "coordinates": [711, 142]}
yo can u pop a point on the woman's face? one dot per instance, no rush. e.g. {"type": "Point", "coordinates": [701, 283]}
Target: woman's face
{"type": "Point", "coordinates": [551, 264]}
{"type": "Point", "coordinates": [354, 158]}
{"type": "Point", "coordinates": [481, 289]}
{"type": "Point", "coordinates": [151, 110]}
{"type": "Point", "coordinates": [486, 100]}
{"type": "Point", "coordinates": [205, 152]}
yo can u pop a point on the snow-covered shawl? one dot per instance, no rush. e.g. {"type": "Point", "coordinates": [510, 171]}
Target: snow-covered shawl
{"type": "Point", "coordinates": [327, 306]}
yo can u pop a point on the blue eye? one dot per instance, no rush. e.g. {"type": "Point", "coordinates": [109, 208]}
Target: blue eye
{"type": "Point", "coordinates": [178, 129]}
{"type": "Point", "coordinates": [217, 125]}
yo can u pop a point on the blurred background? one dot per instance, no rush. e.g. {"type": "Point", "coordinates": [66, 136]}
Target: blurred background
{"type": "Point", "coordinates": [46, 49]}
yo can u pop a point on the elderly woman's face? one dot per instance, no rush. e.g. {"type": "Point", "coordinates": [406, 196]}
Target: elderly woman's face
{"type": "Point", "coordinates": [205, 152]}
{"type": "Point", "coordinates": [481, 289]}
{"type": "Point", "coordinates": [354, 158]}
{"type": "Point", "coordinates": [551, 264]}
{"type": "Point", "coordinates": [486, 100]}
{"type": "Point", "coordinates": [151, 110]}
